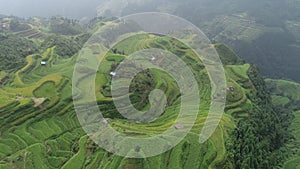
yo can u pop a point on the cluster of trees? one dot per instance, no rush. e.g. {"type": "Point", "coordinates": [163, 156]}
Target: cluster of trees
{"type": "Point", "coordinates": [64, 26]}
{"type": "Point", "coordinates": [82, 39]}
{"type": "Point", "coordinates": [141, 86]}
{"type": "Point", "coordinates": [64, 46]}
{"type": "Point", "coordinates": [257, 141]}
{"type": "Point", "coordinates": [227, 56]}
{"type": "Point", "coordinates": [14, 51]}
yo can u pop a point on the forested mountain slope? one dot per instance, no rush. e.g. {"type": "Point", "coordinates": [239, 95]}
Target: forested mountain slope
{"type": "Point", "coordinates": [286, 99]}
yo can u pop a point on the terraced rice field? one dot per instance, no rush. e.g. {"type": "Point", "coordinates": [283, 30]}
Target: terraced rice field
{"type": "Point", "coordinates": [50, 136]}
{"type": "Point", "coordinates": [30, 32]}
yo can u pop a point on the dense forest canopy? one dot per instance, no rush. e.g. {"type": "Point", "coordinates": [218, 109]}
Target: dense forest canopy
{"type": "Point", "coordinates": [14, 51]}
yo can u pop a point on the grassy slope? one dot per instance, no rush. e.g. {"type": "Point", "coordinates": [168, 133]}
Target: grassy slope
{"type": "Point", "coordinates": [287, 94]}
{"type": "Point", "coordinates": [52, 137]}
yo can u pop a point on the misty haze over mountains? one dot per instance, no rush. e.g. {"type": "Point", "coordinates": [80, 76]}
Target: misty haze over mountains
{"type": "Point", "coordinates": [46, 8]}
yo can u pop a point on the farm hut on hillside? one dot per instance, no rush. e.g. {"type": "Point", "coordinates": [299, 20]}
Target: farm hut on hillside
{"type": "Point", "coordinates": [113, 74]}
{"type": "Point", "coordinates": [105, 121]}
{"type": "Point", "coordinates": [43, 63]}
{"type": "Point", "coordinates": [153, 59]}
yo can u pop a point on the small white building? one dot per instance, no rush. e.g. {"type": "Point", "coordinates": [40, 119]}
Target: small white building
{"type": "Point", "coordinates": [43, 63]}
{"type": "Point", "coordinates": [113, 74]}
{"type": "Point", "coordinates": [153, 58]}
{"type": "Point", "coordinates": [105, 121]}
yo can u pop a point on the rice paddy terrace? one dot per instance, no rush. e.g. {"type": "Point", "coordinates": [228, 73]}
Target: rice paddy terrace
{"type": "Point", "coordinates": [21, 28]}
{"type": "Point", "coordinates": [39, 126]}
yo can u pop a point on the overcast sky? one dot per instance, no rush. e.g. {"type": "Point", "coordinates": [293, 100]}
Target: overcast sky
{"type": "Point", "coordinates": [45, 8]}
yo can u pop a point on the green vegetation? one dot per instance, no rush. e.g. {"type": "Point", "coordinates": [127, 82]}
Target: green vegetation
{"type": "Point", "coordinates": [78, 159]}
{"type": "Point", "coordinates": [228, 57]}
{"type": "Point", "coordinates": [64, 46]}
{"type": "Point", "coordinates": [52, 136]}
{"type": "Point", "coordinates": [285, 97]}
{"type": "Point", "coordinates": [14, 51]}
{"type": "Point", "coordinates": [293, 146]}
{"type": "Point", "coordinates": [46, 133]}
{"type": "Point", "coordinates": [257, 141]}
{"type": "Point", "coordinates": [2, 75]}
{"type": "Point", "coordinates": [64, 26]}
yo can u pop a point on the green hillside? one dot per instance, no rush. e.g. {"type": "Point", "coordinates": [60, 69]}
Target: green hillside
{"type": "Point", "coordinates": [286, 97]}
{"type": "Point", "coordinates": [39, 127]}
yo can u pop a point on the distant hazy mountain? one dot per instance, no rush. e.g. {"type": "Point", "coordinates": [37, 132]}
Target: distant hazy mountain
{"type": "Point", "coordinates": [264, 32]}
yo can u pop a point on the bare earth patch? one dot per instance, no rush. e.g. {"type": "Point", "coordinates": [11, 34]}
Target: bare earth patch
{"type": "Point", "coordinates": [38, 101]}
